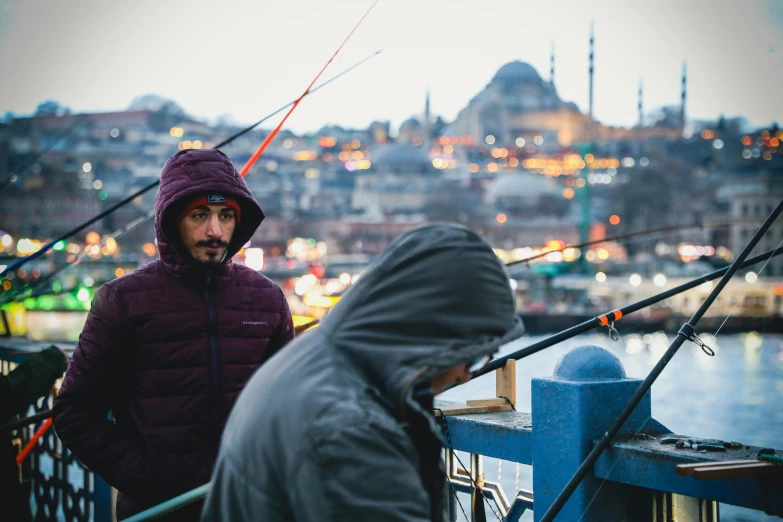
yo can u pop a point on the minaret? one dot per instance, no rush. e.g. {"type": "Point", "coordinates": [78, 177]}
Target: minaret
{"type": "Point", "coordinates": [427, 121]}
{"type": "Point", "coordinates": [684, 92]}
{"type": "Point", "coordinates": [552, 65]}
{"type": "Point", "coordinates": [591, 70]}
{"type": "Point", "coordinates": [641, 107]}
{"type": "Point", "coordinates": [427, 106]}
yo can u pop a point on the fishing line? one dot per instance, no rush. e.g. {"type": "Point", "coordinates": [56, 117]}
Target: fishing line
{"type": "Point", "coordinates": [45, 248]}
{"type": "Point", "coordinates": [619, 237]}
{"type": "Point", "coordinates": [610, 317]}
{"type": "Point", "coordinates": [14, 176]}
{"type": "Point", "coordinates": [744, 293]}
{"type": "Point", "coordinates": [271, 136]}
{"type": "Point", "coordinates": [652, 413]}
{"type": "Point", "coordinates": [114, 235]}
{"type": "Point", "coordinates": [686, 333]}
{"type": "Point", "coordinates": [622, 241]}
{"type": "Point", "coordinates": [476, 488]}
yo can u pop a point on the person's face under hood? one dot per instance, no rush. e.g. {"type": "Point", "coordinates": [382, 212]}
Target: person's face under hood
{"type": "Point", "coordinates": [206, 232]}
{"type": "Point", "coordinates": [186, 175]}
{"type": "Point", "coordinates": [437, 299]}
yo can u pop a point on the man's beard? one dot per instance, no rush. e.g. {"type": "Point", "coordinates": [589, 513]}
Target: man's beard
{"type": "Point", "coordinates": [213, 243]}
{"type": "Point", "coordinates": [213, 260]}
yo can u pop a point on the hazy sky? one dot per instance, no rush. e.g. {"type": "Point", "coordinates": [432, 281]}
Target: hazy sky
{"type": "Point", "coordinates": [246, 58]}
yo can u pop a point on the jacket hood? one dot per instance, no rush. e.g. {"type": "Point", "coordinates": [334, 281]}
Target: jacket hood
{"type": "Point", "coordinates": [438, 297]}
{"type": "Point", "coordinates": [192, 172]}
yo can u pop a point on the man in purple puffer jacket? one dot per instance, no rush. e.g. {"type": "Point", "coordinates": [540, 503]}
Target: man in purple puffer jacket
{"type": "Point", "coordinates": [168, 348]}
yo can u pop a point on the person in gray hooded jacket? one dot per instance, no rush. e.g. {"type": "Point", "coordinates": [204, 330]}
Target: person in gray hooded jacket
{"type": "Point", "coordinates": [339, 427]}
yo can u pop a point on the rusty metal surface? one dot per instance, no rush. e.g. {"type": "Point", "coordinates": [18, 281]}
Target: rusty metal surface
{"type": "Point", "coordinates": [644, 461]}
{"type": "Point", "coordinates": [690, 453]}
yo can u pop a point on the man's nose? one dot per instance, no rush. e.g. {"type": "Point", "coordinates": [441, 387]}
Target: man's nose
{"type": "Point", "coordinates": [213, 228]}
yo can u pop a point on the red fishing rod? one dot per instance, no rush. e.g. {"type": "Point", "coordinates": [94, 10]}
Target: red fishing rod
{"type": "Point", "coordinates": [48, 246]}
{"type": "Point", "coordinates": [268, 139]}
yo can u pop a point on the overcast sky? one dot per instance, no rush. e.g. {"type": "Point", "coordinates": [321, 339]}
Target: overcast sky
{"type": "Point", "coordinates": [246, 58]}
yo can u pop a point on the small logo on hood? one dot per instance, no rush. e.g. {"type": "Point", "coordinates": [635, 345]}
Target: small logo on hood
{"type": "Point", "coordinates": [216, 198]}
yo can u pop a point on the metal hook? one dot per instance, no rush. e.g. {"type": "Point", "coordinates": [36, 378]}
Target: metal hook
{"type": "Point", "coordinates": [688, 331]}
{"type": "Point", "coordinates": [613, 333]}
{"type": "Point", "coordinates": [706, 349]}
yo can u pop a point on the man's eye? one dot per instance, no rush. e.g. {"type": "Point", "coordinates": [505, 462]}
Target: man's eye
{"type": "Point", "coordinates": [199, 215]}
{"type": "Point", "coordinates": [228, 216]}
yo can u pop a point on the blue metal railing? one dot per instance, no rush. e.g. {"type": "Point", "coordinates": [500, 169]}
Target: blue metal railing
{"type": "Point", "coordinates": [634, 480]}
{"type": "Point", "coordinates": [61, 487]}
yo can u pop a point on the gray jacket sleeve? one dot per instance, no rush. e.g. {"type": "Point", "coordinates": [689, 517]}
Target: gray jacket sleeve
{"type": "Point", "coordinates": [358, 473]}
{"type": "Point", "coordinates": [364, 473]}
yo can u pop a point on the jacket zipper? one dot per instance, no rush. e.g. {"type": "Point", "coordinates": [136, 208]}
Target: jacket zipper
{"type": "Point", "coordinates": [214, 371]}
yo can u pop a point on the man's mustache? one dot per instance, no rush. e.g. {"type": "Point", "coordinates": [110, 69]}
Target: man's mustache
{"type": "Point", "coordinates": [212, 243]}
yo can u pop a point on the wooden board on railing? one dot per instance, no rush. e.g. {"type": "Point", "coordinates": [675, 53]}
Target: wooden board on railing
{"type": "Point", "coordinates": [728, 469]}
{"type": "Point", "coordinates": [467, 409]}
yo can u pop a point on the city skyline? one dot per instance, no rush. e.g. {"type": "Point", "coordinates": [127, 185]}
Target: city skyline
{"type": "Point", "coordinates": [101, 56]}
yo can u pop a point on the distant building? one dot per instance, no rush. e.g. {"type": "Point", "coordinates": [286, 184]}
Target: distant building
{"type": "Point", "coordinates": [40, 215]}
{"type": "Point", "coordinates": [519, 190]}
{"type": "Point", "coordinates": [140, 119]}
{"type": "Point", "coordinates": [518, 103]}
{"type": "Point", "coordinates": [751, 202]}
{"type": "Point", "coordinates": [379, 131]}
{"type": "Point", "coordinates": [402, 179]}
{"type": "Point", "coordinates": [411, 131]}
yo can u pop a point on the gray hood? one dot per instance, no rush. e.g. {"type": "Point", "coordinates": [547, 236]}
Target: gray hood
{"type": "Point", "coordinates": [436, 298]}
{"type": "Point", "coordinates": [332, 419]}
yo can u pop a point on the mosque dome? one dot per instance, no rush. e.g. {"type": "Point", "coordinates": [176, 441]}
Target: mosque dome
{"type": "Point", "coordinates": [411, 124]}
{"type": "Point", "coordinates": [401, 155]}
{"type": "Point", "coordinates": [518, 71]}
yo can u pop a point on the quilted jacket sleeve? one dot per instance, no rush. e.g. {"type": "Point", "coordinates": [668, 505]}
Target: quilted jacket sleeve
{"type": "Point", "coordinates": [285, 329]}
{"type": "Point", "coordinates": [29, 381]}
{"type": "Point", "coordinates": [89, 391]}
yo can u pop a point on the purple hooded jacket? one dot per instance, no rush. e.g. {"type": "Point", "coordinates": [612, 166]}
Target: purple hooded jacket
{"type": "Point", "coordinates": [168, 348]}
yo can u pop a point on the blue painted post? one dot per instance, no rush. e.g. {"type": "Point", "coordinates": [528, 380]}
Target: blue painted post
{"type": "Point", "coordinates": [104, 501]}
{"type": "Point", "coordinates": [570, 411]}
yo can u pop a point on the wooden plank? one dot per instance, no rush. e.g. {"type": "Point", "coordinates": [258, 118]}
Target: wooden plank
{"type": "Point", "coordinates": [736, 471]}
{"type": "Point", "coordinates": [506, 381]}
{"type": "Point", "coordinates": [685, 470]}
{"type": "Point", "coordinates": [464, 410]}
{"type": "Point", "coordinates": [486, 402]}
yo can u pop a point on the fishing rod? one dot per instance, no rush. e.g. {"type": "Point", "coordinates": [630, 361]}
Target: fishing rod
{"type": "Point", "coordinates": [10, 179]}
{"type": "Point", "coordinates": [284, 107]}
{"type": "Point", "coordinates": [201, 491]}
{"type": "Point", "coordinates": [304, 327]}
{"type": "Point", "coordinates": [114, 235]}
{"type": "Point", "coordinates": [271, 136]}
{"type": "Point", "coordinates": [608, 319]}
{"type": "Point", "coordinates": [596, 322]}
{"type": "Point", "coordinates": [686, 333]}
{"type": "Point", "coordinates": [45, 248]}
{"type": "Point", "coordinates": [21, 423]}
{"type": "Point", "coordinates": [602, 320]}
{"type": "Point", "coordinates": [628, 235]}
